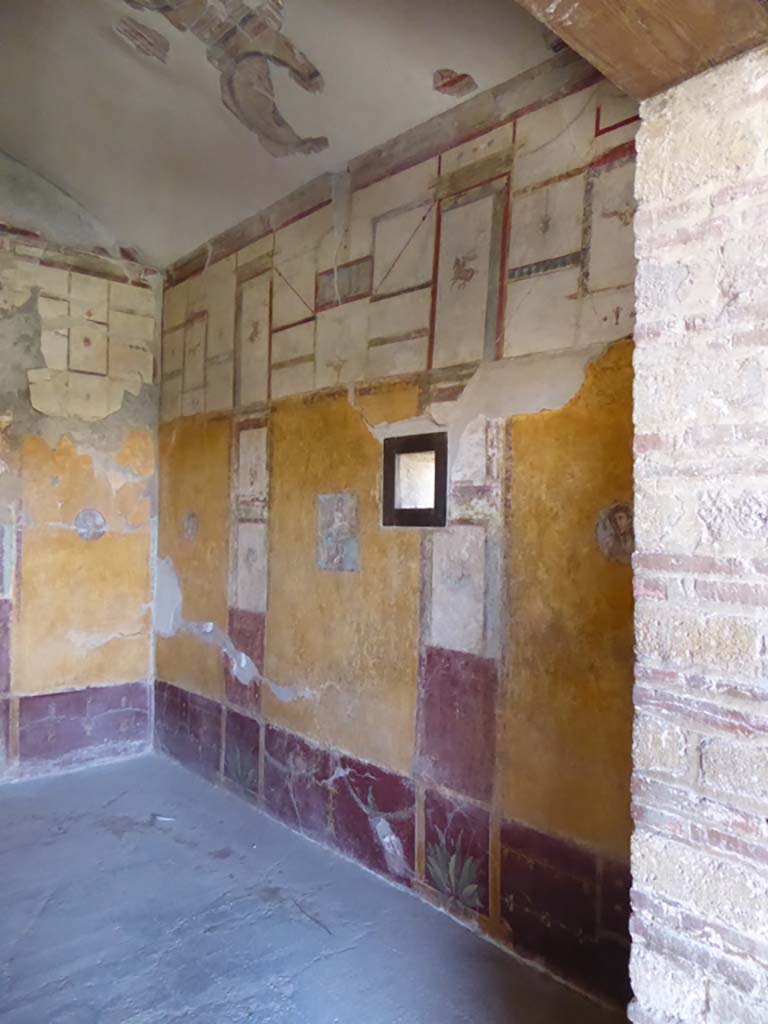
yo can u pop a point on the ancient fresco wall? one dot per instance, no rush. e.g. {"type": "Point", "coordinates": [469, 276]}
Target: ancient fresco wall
{"type": "Point", "coordinates": [415, 696]}
{"type": "Point", "coordinates": [78, 408]}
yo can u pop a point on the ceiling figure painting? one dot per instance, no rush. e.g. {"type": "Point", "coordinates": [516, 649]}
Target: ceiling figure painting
{"type": "Point", "coordinates": [244, 40]}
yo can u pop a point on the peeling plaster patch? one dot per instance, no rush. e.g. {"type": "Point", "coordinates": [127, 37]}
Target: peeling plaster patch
{"type": "Point", "coordinates": [143, 39]}
{"type": "Point", "coordinates": [244, 42]}
{"type": "Point", "coordinates": [167, 599]}
{"type": "Point", "coordinates": [63, 393]}
{"type": "Point", "coordinates": [169, 621]}
{"type": "Point", "coordinates": [453, 83]}
{"type": "Point", "coordinates": [20, 343]}
{"type": "Point", "coordinates": [510, 387]}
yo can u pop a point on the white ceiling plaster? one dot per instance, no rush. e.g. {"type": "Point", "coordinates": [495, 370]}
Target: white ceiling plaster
{"type": "Point", "coordinates": [151, 152]}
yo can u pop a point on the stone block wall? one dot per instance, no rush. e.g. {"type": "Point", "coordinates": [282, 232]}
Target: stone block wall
{"type": "Point", "coordinates": [700, 785]}
{"type": "Point", "coordinates": [419, 698]}
{"type": "Point", "coordinates": [78, 415]}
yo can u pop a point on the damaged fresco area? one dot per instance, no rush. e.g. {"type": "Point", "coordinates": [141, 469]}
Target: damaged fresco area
{"type": "Point", "coordinates": [244, 42]}
{"type": "Point", "coordinates": [361, 682]}
{"type": "Point", "coordinates": [80, 343]}
{"type": "Point", "coordinates": [77, 504]}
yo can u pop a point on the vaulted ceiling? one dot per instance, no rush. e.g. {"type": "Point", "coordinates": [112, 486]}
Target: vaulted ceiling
{"type": "Point", "coordinates": [161, 126]}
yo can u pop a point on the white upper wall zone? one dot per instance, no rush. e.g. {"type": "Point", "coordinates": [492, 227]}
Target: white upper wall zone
{"type": "Point", "coordinates": [150, 150]}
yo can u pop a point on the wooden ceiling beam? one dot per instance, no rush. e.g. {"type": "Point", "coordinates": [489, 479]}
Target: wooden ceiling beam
{"type": "Point", "coordinates": [646, 46]}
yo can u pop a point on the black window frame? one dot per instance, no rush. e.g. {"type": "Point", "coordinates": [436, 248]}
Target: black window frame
{"type": "Point", "coordinates": [393, 446]}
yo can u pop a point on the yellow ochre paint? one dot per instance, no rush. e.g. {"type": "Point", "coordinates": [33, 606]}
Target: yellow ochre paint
{"type": "Point", "coordinates": [565, 709]}
{"type": "Point", "coordinates": [349, 637]}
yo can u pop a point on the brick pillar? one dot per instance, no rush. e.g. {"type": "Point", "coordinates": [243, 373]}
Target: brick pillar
{"type": "Point", "coordinates": [700, 786]}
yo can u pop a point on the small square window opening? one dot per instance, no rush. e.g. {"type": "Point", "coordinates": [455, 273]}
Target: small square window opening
{"type": "Point", "coordinates": [415, 480]}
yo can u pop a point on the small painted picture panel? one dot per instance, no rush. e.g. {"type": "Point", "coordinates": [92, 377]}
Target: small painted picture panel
{"type": "Point", "coordinates": [338, 541]}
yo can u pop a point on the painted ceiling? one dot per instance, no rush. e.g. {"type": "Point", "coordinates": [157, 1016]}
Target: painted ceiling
{"type": "Point", "coordinates": [167, 121]}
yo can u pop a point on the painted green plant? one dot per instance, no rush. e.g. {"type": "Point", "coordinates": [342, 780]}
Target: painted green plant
{"type": "Point", "coordinates": [241, 772]}
{"type": "Point", "coordinates": [454, 874]}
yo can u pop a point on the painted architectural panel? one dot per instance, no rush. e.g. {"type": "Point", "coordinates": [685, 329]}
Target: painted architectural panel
{"type": "Point", "coordinates": [292, 343]}
{"type": "Point", "coordinates": [220, 292]}
{"type": "Point", "coordinates": [404, 249]}
{"type": "Point", "coordinates": [194, 352]}
{"type": "Point", "coordinates": [252, 478]}
{"type": "Point", "coordinates": [342, 344]}
{"type": "Point", "coordinates": [458, 589]}
{"type": "Point", "coordinates": [469, 276]}
{"type": "Point", "coordinates": [488, 144]}
{"type": "Point", "coordinates": [251, 575]}
{"type": "Point", "coordinates": [542, 312]}
{"type": "Point", "coordinates": [88, 349]}
{"type": "Point", "coordinates": [412, 185]}
{"type": "Point", "coordinates": [606, 316]}
{"type": "Point", "coordinates": [612, 245]}
{"type": "Point", "coordinates": [344, 283]}
{"type": "Point", "coordinates": [173, 351]}
{"type": "Point", "coordinates": [254, 327]}
{"type": "Point", "coordinates": [561, 136]}
{"type": "Point", "coordinates": [294, 288]}
{"type": "Point", "coordinates": [292, 378]}
{"type": "Point", "coordinates": [547, 222]}
{"type": "Point", "coordinates": [219, 385]}
{"type": "Point", "coordinates": [89, 298]}
{"type": "Point", "coordinates": [400, 317]}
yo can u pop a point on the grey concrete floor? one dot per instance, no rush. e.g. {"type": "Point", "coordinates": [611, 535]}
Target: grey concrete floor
{"type": "Point", "coordinates": [137, 893]}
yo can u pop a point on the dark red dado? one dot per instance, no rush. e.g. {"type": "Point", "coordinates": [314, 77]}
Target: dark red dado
{"type": "Point", "coordinates": [188, 727]}
{"type": "Point", "coordinates": [563, 906]}
{"type": "Point", "coordinates": [457, 837]}
{"type": "Point", "coordinates": [75, 726]}
{"type": "Point", "coordinates": [4, 732]}
{"type": "Point", "coordinates": [242, 744]}
{"type": "Point", "coordinates": [297, 787]}
{"type": "Point", "coordinates": [567, 908]}
{"type": "Point", "coordinates": [5, 645]}
{"type": "Point", "coordinates": [374, 813]}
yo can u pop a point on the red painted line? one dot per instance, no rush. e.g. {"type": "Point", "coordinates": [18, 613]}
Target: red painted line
{"type": "Point", "coordinates": [300, 216]}
{"type": "Point", "coordinates": [619, 153]}
{"type": "Point", "coordinates": [269, 342]}
{"type": "Point", "coordinates": [380, 297]}
{"type": "Point", "coordinates": [256, 423]}
{"type": "Point", "coordinates": [450, 83]}
{"type": "Point", "coordinates": [405, 246]}
{"type": "Point", "coordinates": [300, 297]}
{"type": "Point", "coordinates": [344, 302]}
{"type": "Point", "coordinates": [599, 130]}
{"type": "Point", "coordinates": [287, 327]}
{"type": "Point", "coordinates": [478, 184]}
{"type": "Point", "coordinates": [503, 256]}
{"type": "Point", "coordinates": [461, 140]}
{"type": "Point", "coordinates": [23, 232]}
{"type": "Point", "coordinates": [435, 269]}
